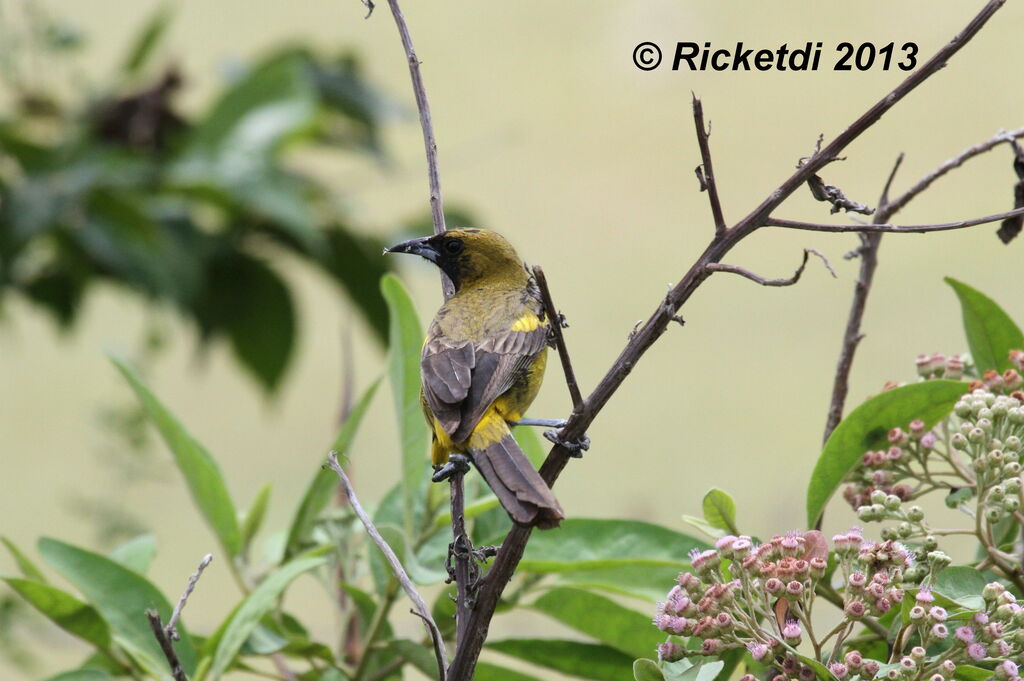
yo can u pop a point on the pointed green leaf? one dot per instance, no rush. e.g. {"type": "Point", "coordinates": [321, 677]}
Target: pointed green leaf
{"type": "Point", "coordinates": [991, 334]}
{"type": "Point", "coordinates": [647, 670]}
{"type": "Point", "coordinates": [703, 526]}
{"type": "Point", "coordinates": [66, 611]}
{"type": "Point", "coordinates": [702, 671]}
{"type": "Point", "coordinates": [405, 341]}
{"type": "Point", "coordinates": [325, 483]}
{"type": "Point", "coordinates": [485, 671]}
{"type": "Point", "coordinates": [136, 554]}
{"type": "Point", "coordinates": [867, 427]}
{"type": "Point", "coordinates": [254, 516]}
{"type": "Point", "coordinates": [588, 544]}
{"type": "Point", "coordinates": [122, 598]}
{"type": "Point", "coordinates": [720, 510]}
{"type": "Point", "coordinates": [601, 618]}
{"type": "Point", "coordinates": [252, 609]}
{"type": "Point", "coordinates": [966, 672]}
{"type": "Point", "coordinates": [25, 564]}
{"type": "Point", "coordinates": [147, 41]}
{"type": "Point", "coordinates": [643, 581]}
{"type": "Point", "coordinates": [963, 585]}
{"type": "Point", "coordinates": [582, 660]}
{"type": "Point", "coordinates": [201, 472]}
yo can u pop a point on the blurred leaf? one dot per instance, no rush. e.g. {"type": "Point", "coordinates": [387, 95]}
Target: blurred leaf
{"type": "Point", "coordinates": [253, 519]}
{"type": "Point", "coordinates": [647, 670]}
{"type": "Point", "coordinates": [705, 670]}
{"type": "Point", "coordinates": [867, 427]}
{"type": "Point", "coordinates": [588, 544]}
{"type": "Point", "coordinates": [959, 496]}
{"type": "Point", "coordinates": [443, 611]}
{"type": "Point", "coordinates": [601, 618]}
{"type": "Point", "coordinates": [643, 581]}
{"type": "Point", "coordinates": [200, 470]}
{"type": "Point", "coordinates": [325, 483]}
{"type": "Point", "coordinates": [720, 510]}
{"type": "Point", "coordinates": [531, 445]}
{"type": "Point", "coordinates": [478, 507]}
{"type": "Point", "coordinates": [121, 597]}
{"type": "Point", "coordinates": [366, 606]}
{"type": "Point", "coordinates": [406, 340]}
{"type": "Point", "coordinates": [81, 675]}
{"type": "Point", "coordinates": [991, 334]}
{"type": "Point", "coordinates": [233, 149]}
{"type": "Point", "coordinates": [492, 672]}
{"type": "Point", "coordinates": [963, 585]}
{"type": "Point", "coordinates": [582, 660]}
{"type": "Point", "coordinates": [147, 41]}
{"type": "Point", "coordinates": [25, 564]}
{"type": "Point", "coordinates": [136, 554]}
{"type": "Point", "coordinates": [419, 656]}
{"type": "Point", "coordinates": [354, 260]}
{"type": "Point", "coordinates": [247, 616]}
{"type": "Point", "coordinates": [66, 611]}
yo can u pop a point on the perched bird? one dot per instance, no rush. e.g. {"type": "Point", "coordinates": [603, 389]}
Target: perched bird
{"type": "Point", "coordinates": [482, 365]}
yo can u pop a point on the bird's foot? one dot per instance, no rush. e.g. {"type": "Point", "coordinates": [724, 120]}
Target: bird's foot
{"type": "Point", "coordinates": [575, 447]}
{"type": "Point", "coordinates": [457, 463]}
{"type": "Point", "coordinates": [545, 423]}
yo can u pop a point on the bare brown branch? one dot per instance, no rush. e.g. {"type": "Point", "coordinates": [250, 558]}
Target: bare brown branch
{"type": "Point", "coordinates": [706, 172]}
{"type": "Point", "coordinates": [512, 547]}
{"type": "Point", "coordinates": [556, 322]}
{"type": "Point", "coordinates": [757, 278]}
{"type": "Point", "coordinates": [396, 566]}
{"type": "Point", "coordinates": [166, 635]}
{"type": "Point", "coordinates": [894, 229]}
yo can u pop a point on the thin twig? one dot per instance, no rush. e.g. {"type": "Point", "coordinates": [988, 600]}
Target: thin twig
{"type": "Point", "coordinates": [707, 177]}
{"type": "Point", "coordinates": [165, 645]}
{"type": "Point", "coordinates": [789, 281]}
{"type": "Point", "coordinates": [462, 555]}
{"type": "Point", "coordinates": [489, 592]}
{"type": "Point", "coordinates": [427, 125]}
{"type": "Point", "coordinates": [172, 623]}
{"type": "Point", "coordinates": [555, 324]}
{"type": "Point", "coordinates": [894, 229]}
{"type": "Point", "coordinates": [165, 635]}
{"type": "Point", "coordinates": [396, 567]}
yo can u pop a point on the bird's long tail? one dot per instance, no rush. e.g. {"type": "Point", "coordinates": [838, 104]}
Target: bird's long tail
{"type": "Point", "coordinates": [513, 479]}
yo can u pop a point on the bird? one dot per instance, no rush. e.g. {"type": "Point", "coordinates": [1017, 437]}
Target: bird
{"type": "Point", "coordinates": [482, 365]}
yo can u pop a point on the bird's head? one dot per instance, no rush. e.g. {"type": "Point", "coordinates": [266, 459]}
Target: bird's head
{"type": "Point", "coordinates": [470, 257]}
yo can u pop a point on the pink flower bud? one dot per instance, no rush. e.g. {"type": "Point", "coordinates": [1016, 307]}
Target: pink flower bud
{"type": "Point", "coordinates": [916, 428]}
{"type": "Point", "coordinates": [924, 597]}
{"type": "Point", "coordinates": [1012, 379]}
{"type": "Point", "coordinates": [1017, 359]}
{"type": "Point", "coordinates": [857, 580]}
{"type": "Point", "coordinates": [954, 368]}
{"type": "Point", "coordinates": [870, 669]}
{"type": "Point", "coordinates": [710, 646]}
{"type": "Point", "coordinates": [773, 585]}
{"type": "Point", "coordinates": [976, 651]}
{"type": "Point", "coordinates": [938, 614]}
{"type": "Point", "coordinates": [854, 659]}
{"type": "Point", "coordinates": [670, 652]}
{"type": "Point", "coordinates": [758, 651]}
{"type": "Point", "coordinates": [792, 632]}
{"type": "Point", "coordinates": [940, 631]}
{"type": "Point", "coordinates": [928, 440]}
{"type": "Point", "coordinates": [794, 588]}
{"type": "Point", "coordinates": [855, 610]}
{"type": "Point", "coordinates": [839, 670]}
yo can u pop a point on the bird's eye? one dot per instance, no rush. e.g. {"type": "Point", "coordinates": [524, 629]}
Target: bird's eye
{"type": "Point", "coordinates": [454, 246]}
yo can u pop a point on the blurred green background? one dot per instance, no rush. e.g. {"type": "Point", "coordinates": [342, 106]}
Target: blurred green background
{"type": "Point", "coordinates": [549, 135]}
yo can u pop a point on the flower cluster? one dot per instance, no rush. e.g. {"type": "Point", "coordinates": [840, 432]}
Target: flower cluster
{"type": "Point", "coordinates": [974, 455]}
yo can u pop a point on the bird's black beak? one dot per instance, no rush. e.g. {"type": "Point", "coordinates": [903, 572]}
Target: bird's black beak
{"type": "Point", "coordinates": [421, 247]}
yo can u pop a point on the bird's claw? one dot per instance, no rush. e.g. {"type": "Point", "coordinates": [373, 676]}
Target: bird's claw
{"type": "Point", "coordinates": [457, 463]}
{"type": "Point", "coordinates": [575, 448]}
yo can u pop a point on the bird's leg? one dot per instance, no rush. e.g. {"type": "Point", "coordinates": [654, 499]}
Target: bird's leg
{"type": "Point", "coordinates": [457, 463]}
{"type": "Point", "coordinates": [576, 448]}
{"type": "Point", "coordinates": [545, 423]}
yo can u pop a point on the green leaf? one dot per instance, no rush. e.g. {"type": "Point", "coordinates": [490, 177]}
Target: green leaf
{"type": "Point", "coordinates": [704, 526]}
{"type": "Point", "coordinates": [531, 445]}
{"type": "Point", "coordinates": [66, 611]}
{"type": "Point", "coordinates": [252, 609]}
{"type": "Point", "coordinates": [122, 598]}
{"type": "Point", "coordinates": [147, 41]}
{"type": "Point", "coordinates": [81, 675]}
{"type": "Point", "coordinates": [646, 582]}
{"type": "Point", "coordinates": [419, 656]}
{"type": "Point", "coordinates": [702, 671]}
{"type": "Point", "coordinates": [136, 554]}
{"type": "Point", "coordinates": [963, 585]}
{"type": "Point", "coordinates": [591, 544]}
{"type": "Point", "coordinates": [478, 507]}
{"type": "Point", "coordinates": [492, 672]}
{"type": "Point", "coordinates": [991, 334]}
{"type": "Point", "coordinates": [601, 618]}
{"type": "Point", "coordinates": [324, 484]}
{"type": "Point", "coordinates": [720, 510]}
{"type": "Point", "coordinates": [582, 660]}
{"type": "Point", "coordinates": [201, 472]}
{"type": "Point", "coordinates": [647, 670]}
{"type": "Point", "coordinates": [406, 339]}
{"type": "Point", "coordinates": [867, 427]}
{"type": "Point", "coordinates": [253, 519]}
{"type": "Point", "coordinates": [966, 672]}
{"type": "Point", "coordinates": [25, 564]}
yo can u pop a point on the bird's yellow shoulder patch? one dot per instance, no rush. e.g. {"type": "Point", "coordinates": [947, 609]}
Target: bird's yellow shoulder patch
{"type": "Point", "coordinates": [527, 322]}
